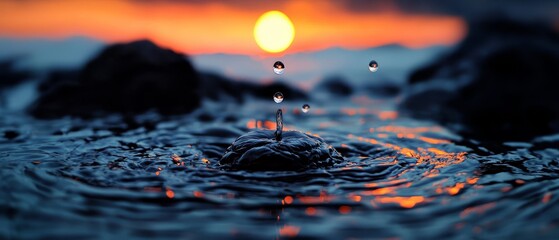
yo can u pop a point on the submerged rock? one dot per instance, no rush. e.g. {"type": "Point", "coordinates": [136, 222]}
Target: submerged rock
{"type": "Point", "coordinates": [125, 78]}
{"type": "Point", "coordinates": [499, 84]}
{"type": "Point", "coordinates": [297, 151]}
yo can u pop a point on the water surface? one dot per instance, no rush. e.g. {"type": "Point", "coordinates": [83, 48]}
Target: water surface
{"type": "Point", "coordinates": [152, 176]}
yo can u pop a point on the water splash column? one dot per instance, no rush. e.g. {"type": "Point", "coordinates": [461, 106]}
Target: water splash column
{"type": "Point", "coordinates": [279, 125]}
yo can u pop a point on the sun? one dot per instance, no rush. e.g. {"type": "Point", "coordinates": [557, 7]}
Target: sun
{"type": "Point", "coordinates": [274, 32]}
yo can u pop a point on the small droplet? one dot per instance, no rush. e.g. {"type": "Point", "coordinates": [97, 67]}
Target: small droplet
{"type": "Point", "coordinates": [373, 66]}
{"type": "Point", "coordinates": [279, 67]}
{"type": "Point", "coordinates": [305, 108]}
{"type": "Point", "coordinates": [278, 97]}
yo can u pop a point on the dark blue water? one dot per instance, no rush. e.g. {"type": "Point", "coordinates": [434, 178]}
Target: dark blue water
{"type": "Point", "coordinates": [158, 177]}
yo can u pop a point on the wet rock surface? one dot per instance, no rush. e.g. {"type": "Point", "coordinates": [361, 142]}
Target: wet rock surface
{"type": "Point", "coordinates": [124, 78]}
{"type": "Point", "coordinates": [297, 151]}
{"type": "Point", "coordinates": [500, 83]}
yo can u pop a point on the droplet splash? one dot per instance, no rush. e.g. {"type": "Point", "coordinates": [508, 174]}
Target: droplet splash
{"type": "Point", "coordinates": [279, 125]}
{"type": "Point", "coordinates": [279, 67]}
{"type": "Point", "coordinates": [305, 108]}
{"type": "Point", "coordinates": [278, 97]}
{"type": "Point", "coordinates": [373, 66]}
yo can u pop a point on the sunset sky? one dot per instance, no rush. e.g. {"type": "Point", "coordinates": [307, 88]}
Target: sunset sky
{"type": "Point", "coordinates": [201, 27]}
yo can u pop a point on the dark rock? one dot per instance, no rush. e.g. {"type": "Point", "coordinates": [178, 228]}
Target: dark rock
{"type": "Point", "coordinates": [219, 88]}
{"type": "Point", "coordinates": [297, 151]}
{"type": "Point", "coordinates": [11, 134]}
{"type": "Point", "coordinates": [57, 77]}
{"type": "Point", "coordinates": [336, 86]}
{"type": "Point", "coordinates": [10, 75]}
{"type": "Point", "coordinates": [499, 84]}
{"type": "Point", "coordinates": [125, 78]}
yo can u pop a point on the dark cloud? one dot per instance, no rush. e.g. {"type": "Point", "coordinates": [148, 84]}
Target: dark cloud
{"type": "Point", "coordinates": [471, 9]}
{"type": "Point", "coordinates": [547, 10]}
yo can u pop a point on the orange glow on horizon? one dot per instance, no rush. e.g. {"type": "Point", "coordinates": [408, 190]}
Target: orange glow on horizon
{"type": "Point", "coordinates": [221, 28]}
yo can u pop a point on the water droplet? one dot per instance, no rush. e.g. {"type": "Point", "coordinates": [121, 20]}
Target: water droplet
{"type": "Point", "coordinates": [305, 108]}
{"type": "Point", "coordinates": [373, 66]}
{"type": "Point", "coordinates": [278, 97]}
{"type": "Point", "coordinates": [279, 67]}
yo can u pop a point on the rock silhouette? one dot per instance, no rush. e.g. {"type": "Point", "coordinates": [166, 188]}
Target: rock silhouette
{"type": "Point", "coordinates": [125, 78]}
{"type": "Point", "coordinates": [139, 76]}
{"type": "Point", "coordinates": [499, 84]}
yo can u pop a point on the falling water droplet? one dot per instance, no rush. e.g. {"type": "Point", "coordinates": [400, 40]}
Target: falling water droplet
{"type": "Point", "coordinates": [279, 125]}
{"type": "Point", "coordinates": [279, 67]}
{"type": "Point", "coordinates": [278, 97]}
{"type": "Point", "coordinates": [305, 108]}
{"type": "Point", "coordinates": [373, 66]}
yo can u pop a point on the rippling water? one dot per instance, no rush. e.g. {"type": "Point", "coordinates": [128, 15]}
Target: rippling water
{"type": "Point", "coordinates": [152, 176]}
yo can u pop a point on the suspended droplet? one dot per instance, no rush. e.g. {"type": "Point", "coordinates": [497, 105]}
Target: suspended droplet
{"type": "Point", "coordinates": [279, 67]}
{"type": "Point", "coordinates": [373, 66]}
{"type": "Point", "coordinates": [278, 97]}
{"type": "Point", "coordinates": [305, 108]}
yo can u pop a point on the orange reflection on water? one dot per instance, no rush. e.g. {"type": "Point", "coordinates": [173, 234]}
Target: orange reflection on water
{"type": "Point", "coordinates": [546, 197]}
{"type": "Point", "coordinates": [455, 189]}
{"type": "Point", "coordinates": [344, 209]}
{"type": "Point", "coordinates": [323, 198]}
{"type": "Point", "coordinates": [440, 158]}
{"type": "Point", "coordinates": [170, 193]}
{"type": "Point", "coordinates": [386, 183]}
{"type": "Point", "coordinates": [380, 191]}
{"type": "Point", "coordinates": [355, 198]}
{"type": "Point", "coordinates": [288, 200]}
{"type": "Point", "coordinates": [433, 140]}
{"type": "Point", "coordinates": [405, 202]}
{"type": "Point", "coordinates": [477, 209]}
{"type": "Point", "coordinates": [382, 115]}
{"type": "Point", "coordinates": [257, 124]}
{"type": "Point", "coordinates": [261, 124]}
{"type": "Point", "coordinates": [289, 231]}
{"type": "Point", "coordinates": [385, 115]}
{"type": "Point", "coordinates": [472, 180]}
{"type": "Point", "coordinates": [311, 211]}
{"type": "Point", "coordinates": [406, 130]}
{"type": "Point", "coordinates": [198, 194]}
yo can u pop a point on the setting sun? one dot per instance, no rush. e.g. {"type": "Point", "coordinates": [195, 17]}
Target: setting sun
{"type": "Point", "coordinates": [274, 32]}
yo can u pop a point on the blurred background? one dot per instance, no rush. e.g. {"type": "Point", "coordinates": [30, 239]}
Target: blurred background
{"type": "Point", "coordinates": [331, 37]}
{"type": "Point", "coordinates": [334, 41]}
